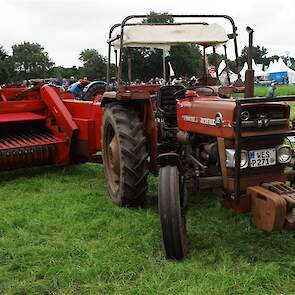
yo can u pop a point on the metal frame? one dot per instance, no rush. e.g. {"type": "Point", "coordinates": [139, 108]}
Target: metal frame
{"type": "Point", "coordinates": [239, 139]}
{"type": "Point", "coordinates": [128, 18]}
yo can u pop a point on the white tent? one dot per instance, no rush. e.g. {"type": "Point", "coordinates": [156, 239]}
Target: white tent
{"type": "Point", "coordinates": [223, 75]}
{"type": "Point", "coordinates": [221, 67]}
{"type": "Point", "coordinates": [243, 71]}
{"type": "Point", "coordinates": [274, 67]}
{"type": "Point", "coordinates": [280, 67]}
{"type": "Point", "coordinates": [163, 36]}
{"type": "Point", "coordinates": [258, 72]}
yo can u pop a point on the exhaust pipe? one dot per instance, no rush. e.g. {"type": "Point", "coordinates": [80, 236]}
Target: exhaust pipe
{"type": "Point", "coordinates": [249, 75]}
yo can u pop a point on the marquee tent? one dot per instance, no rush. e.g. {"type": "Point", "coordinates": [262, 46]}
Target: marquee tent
{"type": "Point", "coordinates": [258, 72]}
{"type": "Point", "coordinates": [223, 76]}
{"type": "Point", "coordinates": [278, 72]}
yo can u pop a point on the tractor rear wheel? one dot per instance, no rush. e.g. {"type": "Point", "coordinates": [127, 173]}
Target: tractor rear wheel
{"type": "Point", "coordinates": [124, 155]}
{"type": "Point", "coordinates": [172, 206]}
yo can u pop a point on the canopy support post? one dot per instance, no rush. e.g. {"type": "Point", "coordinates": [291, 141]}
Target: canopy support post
{"type": "Point", "coordinates": [129, 64]}
{"type": "Point", "coordinates": [164, 67]}
{"type": "Point", "coordinates": [226, 64]}
{"type": "Point", "coordinates": [215, 63]}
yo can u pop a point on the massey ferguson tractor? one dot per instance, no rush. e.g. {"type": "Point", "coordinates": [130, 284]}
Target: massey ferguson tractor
{"type": "Point", "coordinates": [195, 137]}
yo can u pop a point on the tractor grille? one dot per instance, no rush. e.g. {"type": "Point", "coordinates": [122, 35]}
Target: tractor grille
{"type": "Point", "coordinates": [265, 116]}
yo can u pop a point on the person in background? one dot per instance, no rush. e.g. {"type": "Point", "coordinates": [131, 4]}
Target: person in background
{"type": "Point", "coordinates": [72, 80]}
{"type": "Point", "coordinates": [24, 83]}
{"type": "Point", "coordinates": [192, 82]}
{"type": "Point", "coordinates": [271, 90]}
{"type": "Point", "coordinates": [65, 83]}
{"type": "Point", "coordinates": [75, 88]}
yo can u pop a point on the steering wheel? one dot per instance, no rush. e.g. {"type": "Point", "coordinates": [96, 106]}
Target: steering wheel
{"type": "Point", "coordinates": [194, 88]}
{"type": "Point", "coordinates": [207, 87]}
{"type": "Point", "coordinates": [179, 92]}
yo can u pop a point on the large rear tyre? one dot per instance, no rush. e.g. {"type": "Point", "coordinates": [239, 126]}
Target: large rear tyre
{"type": "Point", "coordinates": [172, 206]}
{"type": "Point", "coordinates": [124, 154]}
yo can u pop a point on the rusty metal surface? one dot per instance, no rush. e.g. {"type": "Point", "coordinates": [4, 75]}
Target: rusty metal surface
{"type": "Point", "coordinates": [285, 191]}
{"type": "Point", "coordinates": [268, 209]}
{"type": "Point", "coordinates": [272, 206]}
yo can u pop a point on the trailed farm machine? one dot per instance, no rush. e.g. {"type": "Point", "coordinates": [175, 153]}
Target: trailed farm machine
{"type": "Point", "coordinates": [192, 137]}
{"type": "Point", "coordinates": [41, 126]}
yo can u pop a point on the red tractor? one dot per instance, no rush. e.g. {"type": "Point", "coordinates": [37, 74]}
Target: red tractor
{"type": "Point", "coordinates": [195, 136]}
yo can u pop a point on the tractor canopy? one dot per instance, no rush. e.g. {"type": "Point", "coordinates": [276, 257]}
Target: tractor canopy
{"type": "Point", "coordinates": [188, 29]}
{"type": "Point", "coordinates": [162, 36]}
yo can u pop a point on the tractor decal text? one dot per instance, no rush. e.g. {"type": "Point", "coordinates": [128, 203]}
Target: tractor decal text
{"type": "Point", "coordinates": [190, 118]}
{"type": "Point", "coordinates": [219, 122]}
{"type": "Point", "coordinates": [207, 121]}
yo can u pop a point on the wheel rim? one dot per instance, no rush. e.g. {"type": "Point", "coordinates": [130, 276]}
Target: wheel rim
{"type": "Point", "coordinates": [112, 158]}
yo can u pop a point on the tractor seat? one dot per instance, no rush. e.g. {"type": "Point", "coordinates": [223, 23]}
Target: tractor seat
{"type": "Point", "coordinates": [166, 100]}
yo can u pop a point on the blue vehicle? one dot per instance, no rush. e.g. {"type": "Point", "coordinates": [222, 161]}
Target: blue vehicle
{"type": "Point", "coordinates": [92, 89]}
{"type": "Point", "coordinates": [85, 90]}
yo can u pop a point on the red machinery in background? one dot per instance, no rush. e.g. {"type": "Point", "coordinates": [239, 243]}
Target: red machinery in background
{"type": "Point", "coordinates": [41, 126]}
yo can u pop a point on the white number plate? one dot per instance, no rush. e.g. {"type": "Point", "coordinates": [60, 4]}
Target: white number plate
{"type": "Point", "coordinates": [260, 158]}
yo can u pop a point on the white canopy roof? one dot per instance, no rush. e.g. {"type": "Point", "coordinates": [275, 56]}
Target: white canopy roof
{"type": "Point", "coordinates": [163, 36]}
{"type": "Point", "coordinates": [278, 66]}
{"type": "Point", "coordinates": [223, 77]}
{"type": "Point", "coordinates": [221, 67]}
{"type": "Point", "coordinates": [257, 71]}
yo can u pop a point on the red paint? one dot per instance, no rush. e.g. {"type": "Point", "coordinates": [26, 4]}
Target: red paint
{"type": "Point", "coordinates": [41, 126]}
{"type": "Point", "coordinates": [199, 108]}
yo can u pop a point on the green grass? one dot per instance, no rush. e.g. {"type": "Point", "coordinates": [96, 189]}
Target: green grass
{"type": "Point", "coordinates": [60, 234]}
{"type": "Point", "coordinates": [281, 90]}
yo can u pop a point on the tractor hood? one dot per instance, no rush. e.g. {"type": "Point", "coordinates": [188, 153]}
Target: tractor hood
{"type": "Point", "coordinates": [215, 116]}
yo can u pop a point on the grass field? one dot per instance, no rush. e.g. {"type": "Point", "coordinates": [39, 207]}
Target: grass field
{"type": "Point", "coordinates": [281, 90]}
{"type": "Point", "coordinates": [60, 234]}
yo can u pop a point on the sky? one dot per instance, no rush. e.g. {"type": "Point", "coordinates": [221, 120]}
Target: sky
{"type": "Point", "coordinates": [66, 27]}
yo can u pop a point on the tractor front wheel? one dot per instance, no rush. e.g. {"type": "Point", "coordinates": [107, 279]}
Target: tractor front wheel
{"type": "Point", "coordinates": [172, 206]}
{"type": "Point", "coordinates": [124, 155]}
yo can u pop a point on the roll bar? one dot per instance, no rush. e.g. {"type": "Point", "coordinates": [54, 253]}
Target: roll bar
{"type": "Point", "coordinates": [128, 18]}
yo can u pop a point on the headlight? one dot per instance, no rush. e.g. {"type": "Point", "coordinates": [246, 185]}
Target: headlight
{"type": "Point", "coordinates": [284, 153]}
{"type": "Point", "coordinates": [244, 159]}
{"type": "Point", "coordinates": [230, 158]}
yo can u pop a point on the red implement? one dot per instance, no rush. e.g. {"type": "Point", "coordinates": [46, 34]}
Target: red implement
{"type": "Point", "coordinates": [41, 126]}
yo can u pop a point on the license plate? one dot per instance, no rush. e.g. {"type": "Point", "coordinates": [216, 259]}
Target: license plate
{"type": "Point", "coordinates": [261, 158]}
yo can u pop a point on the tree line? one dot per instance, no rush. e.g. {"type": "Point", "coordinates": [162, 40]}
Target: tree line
{"type": "Point", "coordinates": [31, 61]}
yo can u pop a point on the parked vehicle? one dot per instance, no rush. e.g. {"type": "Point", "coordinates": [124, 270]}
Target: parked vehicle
{"type": "Point", "coordinates": [195, 135]}
{"type": "Point", "coordinates": [42, 126]}
{"type": "Point", "coordinates": [86, 90]}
